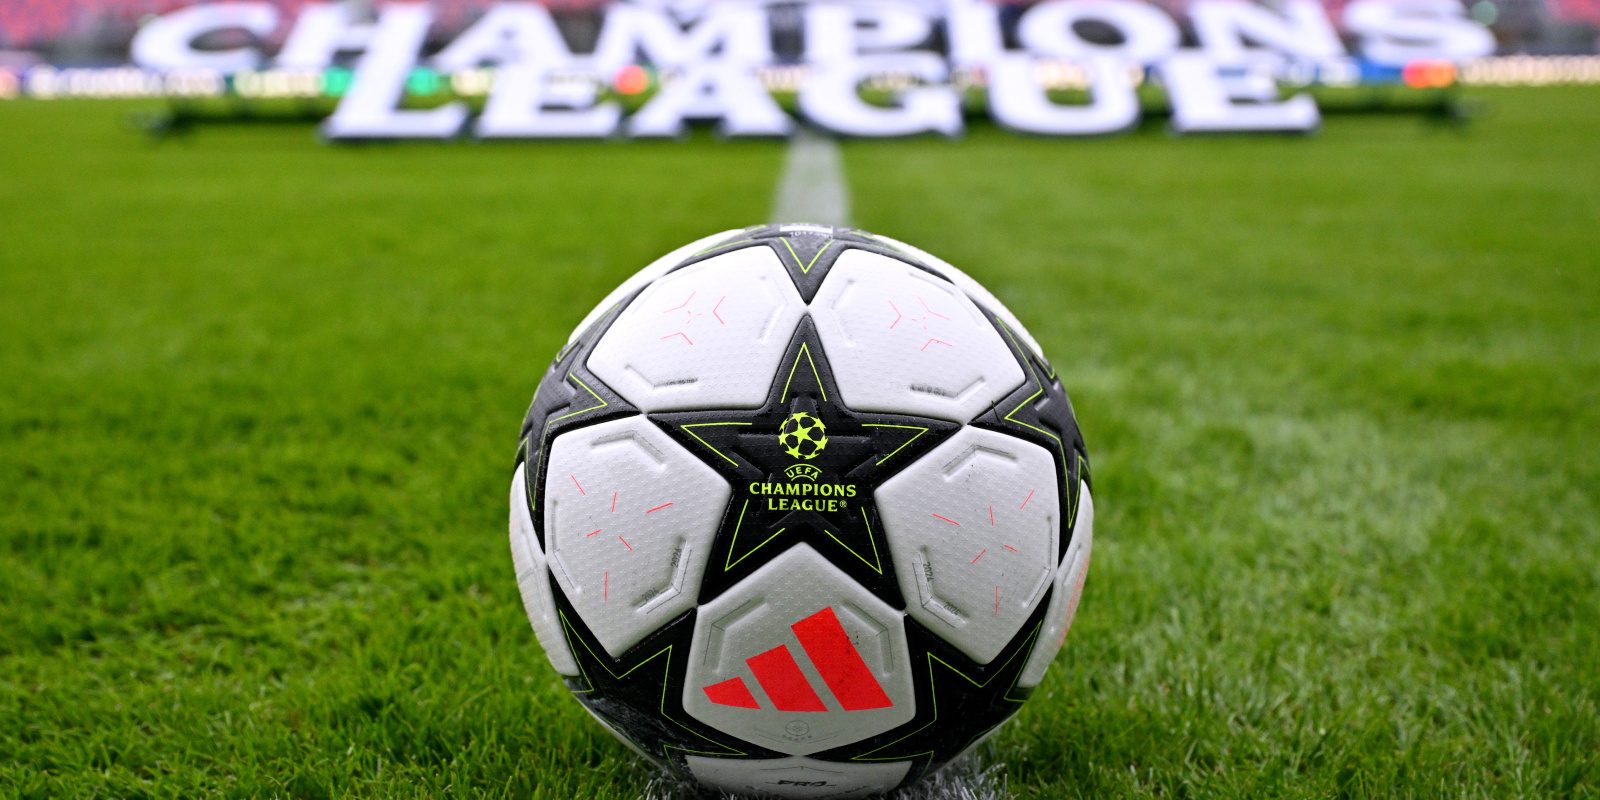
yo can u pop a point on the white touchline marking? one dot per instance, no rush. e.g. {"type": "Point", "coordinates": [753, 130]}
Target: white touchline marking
{"type": "Point", "coordinates": [812, 187]}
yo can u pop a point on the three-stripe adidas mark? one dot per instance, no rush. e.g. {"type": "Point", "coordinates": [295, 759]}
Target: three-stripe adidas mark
{"type": "Point", "coordinates": [828, 647]}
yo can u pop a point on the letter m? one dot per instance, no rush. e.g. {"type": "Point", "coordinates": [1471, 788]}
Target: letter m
{"type": "Point", "coordinates": [729, 32]}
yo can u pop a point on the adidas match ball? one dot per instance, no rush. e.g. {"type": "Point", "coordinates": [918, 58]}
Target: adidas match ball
{"type": "Point", "coordinates": [801, 511]}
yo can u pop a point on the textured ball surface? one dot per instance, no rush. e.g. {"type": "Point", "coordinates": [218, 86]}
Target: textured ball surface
{"type": "Point", "coordinates": [801, 511]}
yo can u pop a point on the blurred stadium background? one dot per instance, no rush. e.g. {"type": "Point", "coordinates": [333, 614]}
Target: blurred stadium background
{"type": "Point", "coordinates": [99, 29]}
{"type": "Point", "coordinates": [262, 392]}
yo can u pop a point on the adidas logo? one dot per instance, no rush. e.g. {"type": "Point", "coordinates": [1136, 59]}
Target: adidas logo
{"type": "Point", "coordinates": [836, 659]}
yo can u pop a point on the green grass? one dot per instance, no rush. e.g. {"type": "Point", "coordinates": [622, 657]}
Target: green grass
{"type": "Point", "coordinates": [1341, 394]}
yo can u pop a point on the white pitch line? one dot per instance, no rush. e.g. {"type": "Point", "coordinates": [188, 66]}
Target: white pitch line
{"type": "Point", "coordinates": [812, 188]}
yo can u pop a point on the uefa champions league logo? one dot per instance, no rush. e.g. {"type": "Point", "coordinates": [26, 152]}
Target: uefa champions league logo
{"type": "Point", "coordinates": [803, 437]}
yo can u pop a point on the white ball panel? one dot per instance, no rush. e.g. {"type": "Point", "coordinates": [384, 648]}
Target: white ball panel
{"type": "Point", "coordinates": [903, 341]}
{"type": "Point", "coordinates": [974, 529]}
{"type": "Point", "coordinates": [629, 518]}
{"type": "Point", "coordinates": [709, 335]}
{"type": "Point", "coordinates": [973, 289]}
{"type": "Point", "coordinates": [533, 581]}
{"type": "Point", "coordinates": [757, 615]}
{"type": "Point", "coordinates": [798, 777]}
{"type": "Point", "coordinates": [644, 276]}
{"type": "Point", "coordinates": [1068, 590]}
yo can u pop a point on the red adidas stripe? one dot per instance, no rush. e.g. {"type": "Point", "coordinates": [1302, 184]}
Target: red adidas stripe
{"type": "Point", "coordinates": [731, 692]}
{"type": "Point", "coordinates": [780, 677]}
{"type": "Point", "coordinates": [839, 663]}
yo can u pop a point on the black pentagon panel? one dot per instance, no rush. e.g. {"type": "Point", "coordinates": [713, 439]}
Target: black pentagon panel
{"type": "Point", "coordinates": [569, 396]}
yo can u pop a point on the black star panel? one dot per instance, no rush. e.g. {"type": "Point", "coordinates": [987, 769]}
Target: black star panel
{"type": "Point", "coordinates": [641, 694]}
{"type": "Point", "coordinates": [833, 510]}
{"type": "Point", "coordinates": [958, 701]}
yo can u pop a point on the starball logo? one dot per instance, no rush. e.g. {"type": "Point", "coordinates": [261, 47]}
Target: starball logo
{"type": "Point", "coordinates": [803, 437]}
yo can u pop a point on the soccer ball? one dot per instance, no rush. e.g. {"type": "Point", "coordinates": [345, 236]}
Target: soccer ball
{"type": "Point", "coordinates": [801, 511]}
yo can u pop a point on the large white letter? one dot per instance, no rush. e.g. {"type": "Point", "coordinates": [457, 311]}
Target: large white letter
{"type": "Point", "coordinates": [887, 25]}
{"type": "Point", "coordinates": [740, 31]}
{"type": "Point", "coordinates": [714, 90]}
{"type": "Point", "coordinates": [1147, 34]}
{"type": "Point", "coordinates": [1019, 102]}
{"type": "Point", "coordinates": [322, 31]}
{"type": "Point", "coordinates": [167, 42]}
{"type": "Point", "coordinates": [974, 30]}
{"type": "Point", "coordinates": [368, 109]}
{"type": "Point", "coordinates": [1201, 103]}
{"type": "Point", "coordinates": [511, 33]}
{"type": "Point", "coordinates": [834, 31]}
{"type": "Point", "coordinates": [1301, 31]}
{"type": "Point", "coordinates": [525, 104]}
{"type": "Point", "coordinates": [1398, 31]}
{"type": "Point", "coordinates": [831, 97]}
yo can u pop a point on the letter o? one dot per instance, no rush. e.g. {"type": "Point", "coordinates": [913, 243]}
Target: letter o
{"type": "Point", "coordinates": [1148, 35]}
